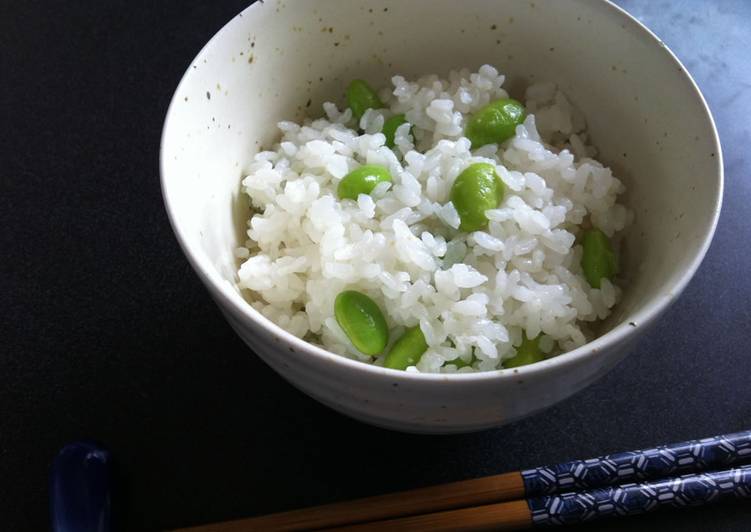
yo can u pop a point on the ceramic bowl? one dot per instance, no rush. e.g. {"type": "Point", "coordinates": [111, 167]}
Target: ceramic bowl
{"type": "Point", "coordinates": [279, 60]}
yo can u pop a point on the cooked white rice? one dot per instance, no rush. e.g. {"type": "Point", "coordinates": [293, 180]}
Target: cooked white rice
{"type": "Point", "coordinates": [470, 293]}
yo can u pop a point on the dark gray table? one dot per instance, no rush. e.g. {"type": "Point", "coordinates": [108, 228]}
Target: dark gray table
{"type": "Point", "coordinates": [106, 333]}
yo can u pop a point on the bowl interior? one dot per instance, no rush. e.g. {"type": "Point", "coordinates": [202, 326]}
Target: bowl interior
{"type": "Point", "coordinates": [280, 61]}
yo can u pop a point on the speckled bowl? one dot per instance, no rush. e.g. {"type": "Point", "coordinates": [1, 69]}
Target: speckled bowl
{"type": "Point", "coordinates": [279, 59]}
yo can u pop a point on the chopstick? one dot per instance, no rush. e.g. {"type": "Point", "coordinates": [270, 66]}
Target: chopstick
{"type": "Point", "coordinates": [460, 494]}
{"type": "Point", "coordinates": [519, 487]}
{"type": "Point", "coordinates": [578, 507]}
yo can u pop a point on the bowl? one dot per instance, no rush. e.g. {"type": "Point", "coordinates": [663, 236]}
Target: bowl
{"type": "Point", "coordinates": [278, 59]}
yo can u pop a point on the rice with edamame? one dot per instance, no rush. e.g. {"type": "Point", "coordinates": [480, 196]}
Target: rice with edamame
{"type": "Point", "coordinates": [509, 293]}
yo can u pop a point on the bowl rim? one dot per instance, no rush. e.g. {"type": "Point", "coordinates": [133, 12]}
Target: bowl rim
{"type": "Point", "coordinates": [618, 334]}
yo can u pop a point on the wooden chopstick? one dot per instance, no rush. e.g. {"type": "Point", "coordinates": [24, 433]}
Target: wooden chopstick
{"type": "Point", "coordinates": [475, 492]}
{"type": "Point", "coordinates": [511, 515]}
{"type": "Point", "coordinates": [578, 507]}
{"type": "Point", "coordinates": [443, 503]}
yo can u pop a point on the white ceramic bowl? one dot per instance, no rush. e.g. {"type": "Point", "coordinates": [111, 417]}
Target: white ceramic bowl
{"type": "Point", "coordinates": [274, 59]}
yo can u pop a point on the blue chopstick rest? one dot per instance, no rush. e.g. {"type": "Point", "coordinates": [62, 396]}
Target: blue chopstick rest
{"type": "Point", "coordinates": [635, 499]}
{"type": "Point", "coordinates": [718, 452]}
{"type": "Point", "coordinates": [80, 489]}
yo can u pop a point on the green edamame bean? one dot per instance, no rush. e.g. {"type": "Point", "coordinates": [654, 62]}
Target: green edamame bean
{"type": "Point", "coordinates": [495, 123]}
{"type": "Point", "coordinates": [598, 259]}
{"type": "Point", "coordinates": [527, 353]}
{"type": "Point", "coordinates": [362, 180]}
{"type": "Point", "coordinates": [362, 321]}
{"type": "Point", "coordinates": [477, 189]}
{"type": "Point", "coordinates": [361, 97]}
{"type": "Point", "coordinates": [459, 362]}
{"type": "Point", "coordinates": [390, 127]}
{"type": "Point", "coordinates": [407, 350]}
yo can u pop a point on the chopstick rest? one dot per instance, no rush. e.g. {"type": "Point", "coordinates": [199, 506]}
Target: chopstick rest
{"type": "Point", "coordinates": [80, 489]}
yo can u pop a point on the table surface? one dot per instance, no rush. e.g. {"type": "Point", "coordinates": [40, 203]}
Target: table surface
{"type": "Point", "coordinates": [108, 334]}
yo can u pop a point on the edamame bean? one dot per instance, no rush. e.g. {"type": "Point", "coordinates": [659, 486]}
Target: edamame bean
{"type": "Point", "coordinates": [361, 97]}
{"type": "Point", "coordinates": [390, 127]}
{"type": "Point", "coordinates": [407, 350]}
{"type": "Point", "coordinates": [460, 363]}
{"type": "Point", "coordinates": [477, 189]}
{"type": "Point", "coordinates": [598, 259]}
{"type": "Point", "coordinates": [495, 123]}
{"type": "Point", "coordinates": [362, 321]}
{"type": "Point", "coordinates": [362, 181]}
{"type": "Point", "coordinates": [527, 353]}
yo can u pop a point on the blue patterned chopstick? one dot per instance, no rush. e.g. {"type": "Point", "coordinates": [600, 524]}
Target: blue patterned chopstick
{"type": "Point", "coordinates": [718, 452]}
{"type": "Point", "coordinates": [635, 499]}
{"type": "Point", "coordinates": [626, 483]}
